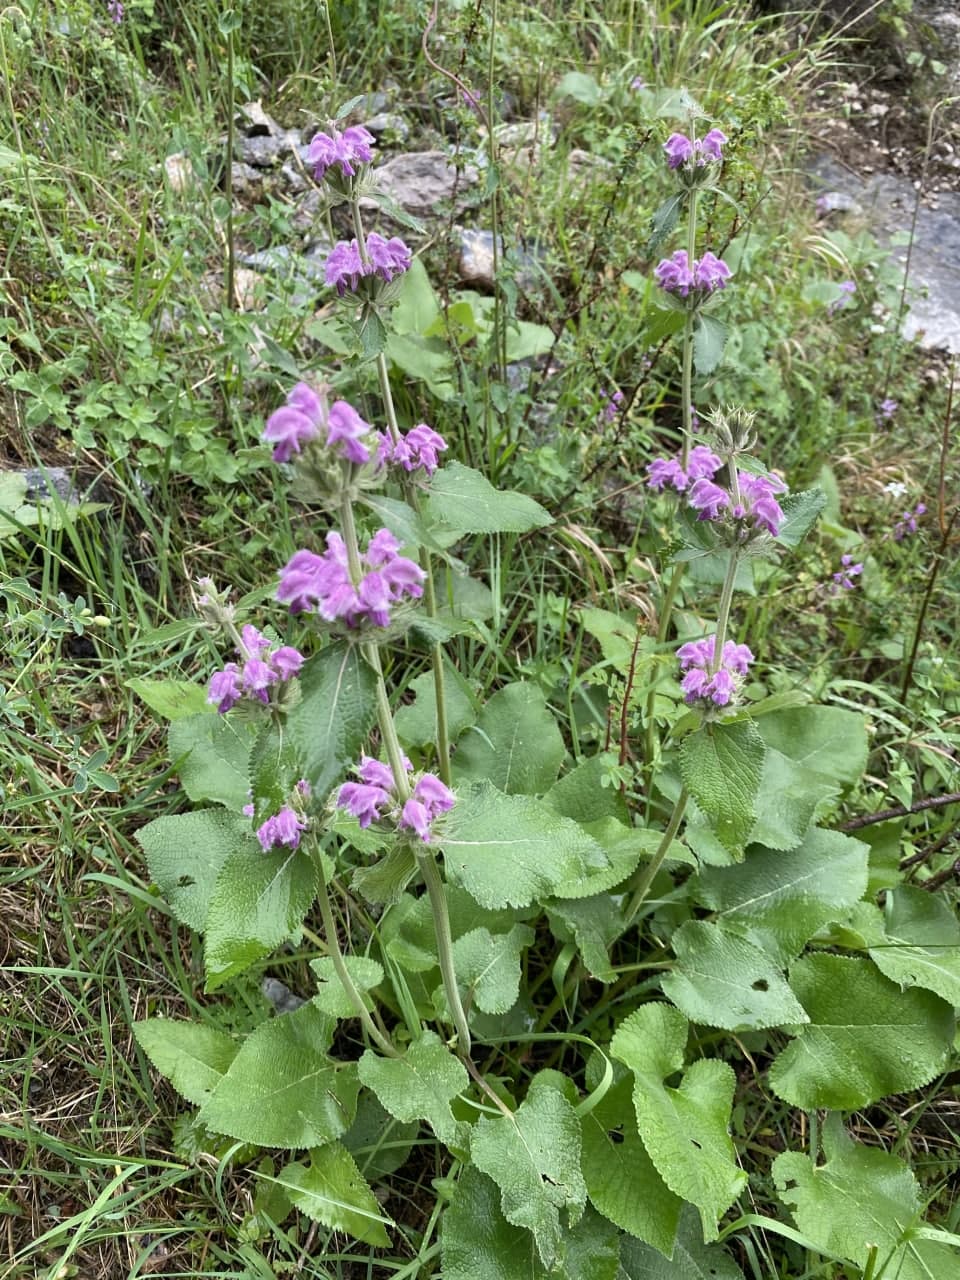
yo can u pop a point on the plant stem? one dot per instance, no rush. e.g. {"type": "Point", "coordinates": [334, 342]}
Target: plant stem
{"type": "Point", "coordinates": [336, 955]}
{"type": "Point", "coordinates": [666, 612]}
{"type": "Point", "coordinates": [231, 247]}
{"type": "Point", "coordinates": [939, 558]}
{"type": "Point", "coordinates": [441, 924]}
{"type": "Point", "coordinates": [687, 358]}
{"type": "Point", "coordinates": [723, 610]}
{"type": "Point", "coordinates": [646, 877]}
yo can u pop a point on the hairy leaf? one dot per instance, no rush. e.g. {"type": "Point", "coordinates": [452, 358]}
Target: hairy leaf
{"type": "Point", "coordinates": [709, 340]}
{"type": "Point", "coordinates": [830, 741]}
{"type": "Point", "coordinates": [281, 1089]}
{"type": "Point", "coordinates": [417, 721]}
{"type": "Point", "coordinates": [515, 745]}
{"type": "Point", "coordinates": [464, 501]}
{"type": "Point", "coordinates": [420, 1085]}
{"type": "Point", "coordinates": [921, 946]}
{"type": "Point", "coordinates": [721, 766]}
{"type": "Point", "coordinates": [172, 699]}
{"type": "Point", "coordinates": [191, 1055]}
{"type": "Point", "coordinates": [331, 997]}
{"type": "Point", "coordinates": [185, 853]}
{"type": "Point", "coordinates": [212, 754]}
{"type": "Point", "coordinates": [336, 711]}
{"type": "Point", "coordinates": [690, 1259]}
{"type": "Point", "coordinates": [581, 795]}
{"type": "Point", "coordinates": [595, 923]}
{"type": "Point", "coordinates": [866, 1038]}
{"type": "Point", "coordinates": [787, 801]}
{"type": "Point", "coordinates": [331, 1190]}
{"type": "Point", "coordinates": [488, 966]}
{"type": "Point", "coordinates": [722, 980]}
{"type": "Point", "coordinates": [685, 1129]}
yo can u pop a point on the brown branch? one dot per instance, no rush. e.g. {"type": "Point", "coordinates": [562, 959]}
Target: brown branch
{"type": "Point", "coordinates": [901, 811]}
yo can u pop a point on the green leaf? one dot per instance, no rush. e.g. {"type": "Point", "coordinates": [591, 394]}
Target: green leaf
{"type": "Point", "coordinates": [861, 1197]}
{"type": "Point", "coordinates": [722, 980]}
{"type": "Point", "coordinates": [515, 744]}
{"type": "Point", "coordinates": [778, 901]}
{"type": "Point", "coordinates": [331, 997]}
{"type": "Point", "coordinates": [212, 754]}
{"type": "Point", "coordinates": [581, 795]}
{"type": "Point", "coordinates": [185, 853]}
{"type": "Point", "coordinates": [461, 500]}
{"type": "Point", "coordinates": [685, 1129]}
{"type": "Point", "coordinates": [622, 1181]}
{"type": "Point", "coordinates": [579, 86]}
{"type": "Point", "coordinates": [331, 1190]}
{"type": "Point", "coordinates": [336, 711]}
{"type": "Point", "coordinates": [690, 1259]}
{"type": "Point", "coordinates": [274, 771]}
{"type": "Point", "coordinates": [829, 741]}
{"type": "Point", "coordinates": [417, 308]}
{"type": "Point", "coordinates": [191, 1055]}
{"type": "Point", "coordinates": [866, 1038]}
{"type": "Point", "coordinates": [172, 699]}
{"type": "Point", "coordinates": [722, 765]}
{"type": "Point", "coordinates": [789, 796]}
{"type": "Point", "coordinates": [534, 1158]}
{"type": "Point", "coordinates": [801, 511]}
{"type": "Point", "coordinates": [595, 923]}
{"type": "Point", "coordinates": [420, 1085]}
{"type": "Point", "coordinates": [921, 947]}
{"type": "Point", "coordinates": [510, 850]}
{"type": "Point", "coordinates": [488, 966]}
{"type": "Point", "coordinates": [416, 722]}
{"type": "Point", "coordinates": [425, 360]}
{"type": "Point", "coordinates": [386, 880]}
{"type": "Point", "coordinates": [259, 901]}
{"type": "Point", "coordinates": [378, 1142]}
{"type": "Point", "coordinates": [709, 339]}
{"type": "Point", "coordinates": [664, 221]}
{"type": "Point", "coordinates": [281, 1089]}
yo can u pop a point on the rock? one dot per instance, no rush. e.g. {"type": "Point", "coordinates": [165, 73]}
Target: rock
{"type": "Point", "coordinates": [421, 181]}
{"type": "Point", "coordinates": [263, 142]}
{"type": "Point", "coordinates": [585, 166]}
{"type": "Point", "coordinates": [43, 482]}
{"type": "Point", "coordinates": [179, 171]}
{"type": "Point", "coordinates": [280, 995]}
{"type": "Point", "coordinates": [388, 126]}
{"type": "Point", "coordinates": [302, 273]}
{"type": "Point", "coordinates": [838, 202]}
{"type": "Point", "coordinates": [475, 263]}
{"type": "Point", "coordinates": [244, 179]}
{"type": "Point", "coordinates": [249, 290]}
{"type": "Point", "coordinates": [293, 179]}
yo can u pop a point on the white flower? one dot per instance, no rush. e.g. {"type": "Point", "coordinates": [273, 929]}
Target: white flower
{"type": "Point", "coordinates": [896, 488]}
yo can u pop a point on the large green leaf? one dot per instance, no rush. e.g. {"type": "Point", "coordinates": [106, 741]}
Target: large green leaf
{"type": "Point", "coordinates": [332, 1190]}
{"type": "Point", "coordinates": [787, 801]}
{"type": "Point", "coordinates": [416, 722]}
{"type": "Point", "coordinates": [378, 1141]}
{"type": "Point", "coordinates": [779, 900]}
{"type": "Point", "coordinates": [534, 1158]}
{"type": "Point", "coordinates": [691, 1259]}
{"type": "Point", "coordinates": [515, 744]}
{"type": "Point", "coordinates": [461, 500]}
{"type": "Point", "coordinates": [420, 1085]}
{"type": "Point", "coordinates": [192, 1056]}
{"type": "Point", "coordinates": [336, 712]}
{"type": "Point", "coordinates": [866, 1038]}
{"type": "Point", "coordinates": [801, 511]}
{"type": "Point", "coordinates": [281, 1090]}
{"type": "Point", "coordinates": [920, 946]}
{"type": "Point", "coordinates": [723, 980]}
{"type": "Point", "coordinates": [862, 1197]}
{"type": "Point", "coordinates": [622, 1180]}
{"type": "Point", "coordinates": [185, 853]}
{"type": "Point", "coordinates": [721, 766]}
{"type": "Point", "coordinates": [709, 340]}
{"type": "Point", "coordinates": [685, 1130]}
{"type": "Point", "coordinates": [830, 741]}
{"type": "Point", "coordinates": [212, 755]}
{"type": "Point", "coordinates": [172, 699]}
{"type": "Point", "coordinates": [259, 901]}
{"type": "Point", "coordinates": [582, 795]}
{"type": "Point", "coordinates": [331, 997]}
{"type": "Point", "coordinates": [595, 923]}
{"type": "Point", "coordinates": [488, 966]}
{"type": "Point", "coordinates": [510, 850]}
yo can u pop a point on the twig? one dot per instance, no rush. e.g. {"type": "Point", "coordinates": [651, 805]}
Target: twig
{"type": "Point", "coordinates": [935, 882]}
{"type": "Point", "coordinates": [901, 811]}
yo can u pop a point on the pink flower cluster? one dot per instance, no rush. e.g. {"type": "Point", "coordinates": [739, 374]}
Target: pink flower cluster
{"type": "Point", "coordinates": [375, 795]}
{"type": "Point", "coordinates": [843, 579]}
{"type": "Point", "coordinates": [263, 666]}
{"type": "Point", "coordinates": [416, 451]}
{"type": "Point", "coordinates": [756, 503]}
{"type": "Point", "coordinates": [682, 150]}
{"type": "Point", "coordinates": [283, 828]}
{"type": "Point", "coordinates": [908, 525]}
{"type": "Point", "coordinates": [305, 416]}
{"type": "Point", "coordinates": [322, 584]}
{"type": "Point", "coordinates": [345, 266]}
{"type": "Point", "coordinates": [677, 274]}
{"type": "Point", "coordinates": [346, 149]}
{"type": "Point", "coordinates": [700, 683]}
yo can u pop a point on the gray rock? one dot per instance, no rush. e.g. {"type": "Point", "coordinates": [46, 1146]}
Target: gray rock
{"type": "Point", "coordinates": [838, 202]}
{"type": "Point", "coordinates": [280, 996]}
{"type": "Point", "coordinates": [303, 273]}
{"type": "Point", "coordinates": [244, 179]}
{"type": "Point", "coordinates": [388, 125]}
{"type": "Point", "coordinates": [475, 263]}
{"type": "Point", "coordinates": [422, 181]}
{"type": "Point", "coordinates": [43, 482]}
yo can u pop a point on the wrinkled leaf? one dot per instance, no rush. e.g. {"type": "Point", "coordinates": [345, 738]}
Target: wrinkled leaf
{"type": "Point", "coordinates": [331, 1190]}
{"type": "Point", "coordinates": [192, 1056]}
{"type": "Point", "coordinates": [515, 744]}
{"type": "Point", "coordinates": [722, 765]}
{"type": "Point", "coordinates": [420, 1085]}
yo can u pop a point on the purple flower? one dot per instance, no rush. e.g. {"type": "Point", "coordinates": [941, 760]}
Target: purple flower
{"type": "Point", "coordinates": [262, 668]}
{"type": "Point", "coordinates": [847, 289]}
{"type": "Point", "coordinates": [908, 524]}
{"type": "Point", "coordinates": [416, 451]}
{"type": "Point", "coordinates": [823, 205]}
{"type": "Point", "coordinates": [677, 275]}
{"type": "Point", "coordinates": [376, 793]}
{"type": "Point", "coordinates": [344, 267]}
{"type": "Point", "coordinates": [708, 498]}
{"type": "Point", "coordinates": [353, 146]}
{"type": "Point", "coordinates": [843, 578]}
{"type": "Point", "coordinates": [286, 662]}
{"type": "Point", "coordinates": [702, 463]}
{"type": "Point", "coordinates": [638, 83]}
{"type": "Point", "coordinates": [712, 145]}
{"type": "Point", "coordinates": [700, 682]}
{"type": "Point", "coordinates": [283, 828]}
{"type": "Point", "coordinates": [346, 428]}
{"type": "Point", "coordinates": [710, 273]}
{"type": "Point", "coordinates": [430, 798]}
{"type": "Point", "coordinates": [388, 258]}
{"type": "Point", "coordinates": [679, 150]}
{"type": "Point", "coordinates": [322, 583]}
{"type": "Point", "coordinates": [760, 503]}
{"type": "Point", "coordinates": [612, 407]}
{"type": "Point", "coordinates": [115, 10]}
{"type": "Point", "coordinates": [289, 428]}
{"type": "Point", "coordinates": [225, 689]}
{"type": "Point", "coordinates": [366, 802]}
{"type": "Point", "coordinates": [886, 410]}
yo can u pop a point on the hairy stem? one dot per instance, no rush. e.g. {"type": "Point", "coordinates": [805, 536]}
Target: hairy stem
{"type": "Point", "coordinates": [723, 610]}
{"type": "Point", "coordinates": [641, 883]}
{"type": "Point", "coordinates": [687, 357]}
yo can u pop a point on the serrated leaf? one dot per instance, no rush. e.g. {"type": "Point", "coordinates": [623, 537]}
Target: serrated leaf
{"type": "Point", "coordinates": [416, 722]}
{"type": "Point", "coordinates": [685, 1130]}
{"type": "Point", "coordinates": [331, 998]}
{"type": "Point", "coordinates": [581, 795]}
{"type": "Point", "coordinates": [664, 221]}
{"type": "Point", "coordinates": [212, 755]}
{"type": "Point", "coordinates": [721, 980]}
{"type": "Point", "coordinates": [331, 1190]}
{"type": "Point", "coordinates": [488, 967]}
{"type": "Point", "coordinates": [515, 744]}
{"type": "Point", "coordinates": [172, 699]}
{"type": "Point", "coordinates": [464, 501]}
{"type": "Point", "coordinates": [595, 923]}
{"type": "Point", "coordinates": [866, 1038]}
{"type": "Point", "coordinates": [690, 1259]}
{"type": "Point", "coordinates": [829, 741]}
{"type": "Point", "coordinates": [862, 1197]}
{"type": "Point", "coordinates": [507, 851]}
{"type": "Point", "coordinates": [192, 1056]}
{"type": "Point", "coordinates": [185, 853]}
{"type": "Point", "coordinates": [622, 1181]}
{"type": "Point", "coordinates": [386, 880]}
{"type": "Point", "coordinates": [709, 340]}
{"type": "Point", "coordinates": [778, 901]}
{"type": "Point", "coordinates": [420, 1085]}
{"type": "Point", "coordinates": [801, 511]}
{"type": "Point", "coordinates": [274, 771]}
{"type": "Point", "coordinates": [259, 901]}
{"type": "Point", "coordinates": [335, 713]}
{"type": "Point", "coordinates": [921, 944]}
{"type": "Point", "coordinates": [281, 1089]}
{"type": "Point", "coordinates": [722, 765]}
{"type": "Point", "coordinates": [534, 1158]}
{"type": "Point", "coordinates": [787, 801]}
